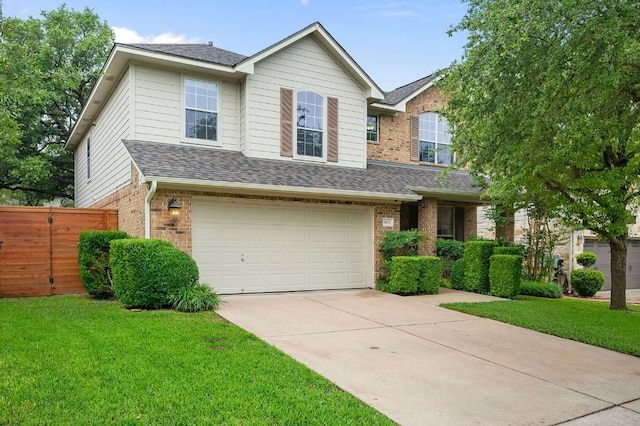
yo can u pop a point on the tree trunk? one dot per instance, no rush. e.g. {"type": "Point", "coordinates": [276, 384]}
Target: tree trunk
{"type": "Point", "coordinates": [618, 273]}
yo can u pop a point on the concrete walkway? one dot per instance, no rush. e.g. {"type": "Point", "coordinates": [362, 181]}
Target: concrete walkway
{"type": "Point", "coordinates": [421, 364]}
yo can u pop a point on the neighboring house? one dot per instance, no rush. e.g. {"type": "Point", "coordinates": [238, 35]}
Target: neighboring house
{"type": "Point", "coordinates": [271, 159]}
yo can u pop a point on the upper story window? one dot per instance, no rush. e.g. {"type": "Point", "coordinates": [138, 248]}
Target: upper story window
{"type": "Point", "coordinates": [88, 159]}
{"type": "Point", "coordinates": [310, 124]}
{"type": "Point", "coordinates": [372, 128]}
{"type": "Point", "coordinates": [435, 139]}
{"type": "Point", "coordinates": [201, 109]}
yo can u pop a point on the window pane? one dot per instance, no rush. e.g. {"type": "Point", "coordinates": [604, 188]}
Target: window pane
{"type": "Point", "coordinates": [446, 221]}
{"type": "Point", "coordinates": [201, 103]}
{"type": "Point", "coordinates": [427, 152]}
{"type": "Point", "coordinates": [310, 122]}
{"type": "Point", "coordinates": [372, 128]}
{"type": "Point", "coordinates": [444, 155]}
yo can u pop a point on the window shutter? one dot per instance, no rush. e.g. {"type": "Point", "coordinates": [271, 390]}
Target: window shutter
{"type": "Point", "coordinates": [332, 129]}
{"type": "Point", "coordinates": [414, 127]}
{"type": "Point", "coordinates": [286, 122]}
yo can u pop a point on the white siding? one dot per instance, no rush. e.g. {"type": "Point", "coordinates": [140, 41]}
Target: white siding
{"type": "Point", "coordinates": [243, 116]}
{"type": "Point", "coordinates": [159, 107]}
{"type": "Point", "coordinates": [305, 65]}
{"type": "Point", "coordinates": [110, 162]}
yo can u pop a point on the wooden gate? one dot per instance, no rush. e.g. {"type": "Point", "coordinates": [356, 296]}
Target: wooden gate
{"type": "Point", "coordinates": [39, 248]}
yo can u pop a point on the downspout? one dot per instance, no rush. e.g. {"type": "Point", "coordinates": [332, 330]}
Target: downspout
{"type": "Point", "coordinates": [147, 209]}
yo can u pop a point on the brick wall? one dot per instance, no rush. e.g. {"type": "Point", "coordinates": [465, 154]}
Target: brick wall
{"type": "Point", "coordinates": [129, 201]}
{"type": "Point", "coordinates": [394, 137]}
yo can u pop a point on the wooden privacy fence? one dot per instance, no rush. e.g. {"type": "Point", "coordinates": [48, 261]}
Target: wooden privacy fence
{"type": "Point", "coordinates": [39, 248]}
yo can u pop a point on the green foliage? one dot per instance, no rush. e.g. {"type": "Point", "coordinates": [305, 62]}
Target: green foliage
{"type": "Point", "coordinates": [589, 322]}
{"type": "Point", "coordinates": [397, 243]}
{"type": "Point", "coordinates": [104, 365]}
{"type": "Point", "coordinates": [449, 249]}
{"type": "Point", "coordinates": [587, 282]}
{"type": "Point", "coordinates": [505, 272]}
{"type": "Point", "coordinates": [414, 275]}
{"type": "Point", "coordinates": [476, 273]}
{"type": "Point", "coordinates": [540, 289]}
{"type": "Point", "coordinates": [93, 258]}
{"type": "Point", "coordinates": [195, 298]}
{"type": "Point", "coordinates": [401, 243]}
{"type": "Point", "coordinates": [546, 106]}
{"type": "Point", "coordinates": [48, 67]}
{"type": "Point", "coordinates": [586, 259]}
{"type": "Point", "coordinates": [512, 250]}
{"type": "Point", "coordinates": [457, 274]}
{"type": "Point", "coordinates": [146, 273]}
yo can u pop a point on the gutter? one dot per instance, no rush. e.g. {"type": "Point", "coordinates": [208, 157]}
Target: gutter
{"type": "Point", "coordinates": [282, 190]}
{"type": "Point", "coordinates": [147, 209]}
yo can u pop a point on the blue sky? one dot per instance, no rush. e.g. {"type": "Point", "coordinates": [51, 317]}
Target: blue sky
{"type": "Point", "coordinates": [395, 42]}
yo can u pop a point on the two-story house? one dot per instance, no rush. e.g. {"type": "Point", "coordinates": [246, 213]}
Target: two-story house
{"type": "Point", "coordinates": [278, 171]}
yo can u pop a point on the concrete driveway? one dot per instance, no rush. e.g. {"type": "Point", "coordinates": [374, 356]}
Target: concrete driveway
{"type": "Point", "coordinates": [420, 364]}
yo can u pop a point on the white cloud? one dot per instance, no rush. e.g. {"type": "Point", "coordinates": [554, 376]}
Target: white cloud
{"type": "Point", "coordinates": [126, 35]}
{"type": "Point", "coordinates": [304, 2]}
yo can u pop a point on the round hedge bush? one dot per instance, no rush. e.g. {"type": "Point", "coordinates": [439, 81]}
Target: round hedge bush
{"type": "Point", "coordinates": [587, 282]}
{"type": "Point", "coordinates": [147, 273]}
{"type": "Point", "coordinates": [586, 259]}
{"type": "Point", "coordinates": [93, 259]}
{"type": "Point", "coordinates": [457, 274]}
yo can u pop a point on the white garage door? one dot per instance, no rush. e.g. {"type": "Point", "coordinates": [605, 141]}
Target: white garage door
{"type": "Point", "coordinates": [259, 246]}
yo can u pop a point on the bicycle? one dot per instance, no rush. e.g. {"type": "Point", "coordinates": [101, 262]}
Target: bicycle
{"type": "Point", "coordinates": [561, 278]}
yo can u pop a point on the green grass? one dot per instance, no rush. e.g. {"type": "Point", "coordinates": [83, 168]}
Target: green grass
{"type": "Point", "coordinates": [584, 321]}
{"type": "Point", "coordinates": [71, 360]}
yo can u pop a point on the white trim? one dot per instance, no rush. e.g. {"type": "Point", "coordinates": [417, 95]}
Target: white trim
{"type": "Point", "coordinates": [279, 190]}
{"type": "Point", "coordinates": [147, 209]}
{"type": "Point", "coordinates": [448, 194]}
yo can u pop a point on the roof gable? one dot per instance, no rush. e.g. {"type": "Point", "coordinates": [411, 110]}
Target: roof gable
{"type": "Point", "coordinates": [397, 99]}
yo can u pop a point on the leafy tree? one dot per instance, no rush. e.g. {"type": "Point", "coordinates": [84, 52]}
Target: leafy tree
{"type": "Point", "coordinates": [48, 67]}
{"type": "Point", "coordinates": [546, 103]}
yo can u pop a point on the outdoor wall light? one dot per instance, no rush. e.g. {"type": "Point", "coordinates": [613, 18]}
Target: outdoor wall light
{"type": "Point", "coordinates": [174, 209]}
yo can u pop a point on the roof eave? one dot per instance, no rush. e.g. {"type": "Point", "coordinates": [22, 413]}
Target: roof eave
{"type": "Point", "coordinates": [280, 190]}
{"type": "Point", "coordinates": [449, 194]}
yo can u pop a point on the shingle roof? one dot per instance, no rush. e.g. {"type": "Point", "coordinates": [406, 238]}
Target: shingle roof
{"type": "Point", "coordinates": [397, 95]}
{"type": "Point", "coordinates": [169, 161]}
{"type": "Point", "coordinates": [200, 52]}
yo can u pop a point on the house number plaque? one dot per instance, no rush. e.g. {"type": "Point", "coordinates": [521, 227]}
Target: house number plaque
{"type": "Point", "coordinates": [387, 222]}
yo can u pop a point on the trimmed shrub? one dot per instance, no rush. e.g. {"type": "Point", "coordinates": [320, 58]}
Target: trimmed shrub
{"type": "Point", "coordinates": [401, 243]}
{"type": "Point", "coordinates": [587, 282]}
{"type": "Point", "coordinates": [195, 298]}
{"type": "Point", "coordinates": [476, 273]}
{"type": "Point", "coordinates": [586, 259]}
{"type": "Point", "coordinates": [449, 249]}
{"type": "Point", "coordinates": [512, 250]}
{"type": "Point", "coordinates": [539, 289]}
{"type": "Point", "coordinates": [457, 274]}
{"type": "Point", "coordinates": [505, 272]}
{"type": "Point", "coordinates": [93, 259]}
{"type": "Point", "coordinates": [146, 273]}
{"type": "Point", "coordinates": [414, 275]}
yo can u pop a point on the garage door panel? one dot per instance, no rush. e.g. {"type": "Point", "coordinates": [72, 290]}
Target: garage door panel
{"type": "Point", "coordinates": [602, 250]}
{"type": "Point", "coordinates": [317, 247]}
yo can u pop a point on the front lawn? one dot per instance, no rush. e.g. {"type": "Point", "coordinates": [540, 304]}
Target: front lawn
{"type": "Point", "coordinates": [72, 360]}
{"type": "Point", "coordinates": [584, 321]}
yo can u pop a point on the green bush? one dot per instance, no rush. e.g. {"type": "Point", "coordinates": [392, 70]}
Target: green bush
{"type": "Point", "coordinates": [587, 282]}
{"type": "Point", "coordinates": [457, 274]}
{"type": "Point", "coordinates": [586, 259]}
{"type": "Point", "coordinates": [414, 275]}
{"type": "Point", "coordinates": [93, 259]}
{"type": "Point", "coordinates": [476, 256]}
{"type": "Point", "coordinates": [195, 298]}
{"type": "Point", "coordinates": [401, 243]}
{"type": "Point", "coordinates": [449, 249]}
{"type": "Point", "coordinates": [540, 289]}
{"type": "Point", "coordinates": [505, 272]}
{"type": "Point", "coordinates": [512, 250]}
{"type": "Point", "coordinates": [146, 273]}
